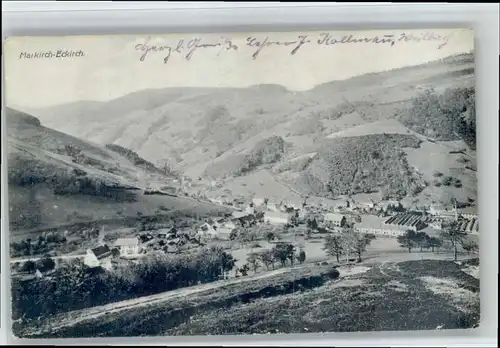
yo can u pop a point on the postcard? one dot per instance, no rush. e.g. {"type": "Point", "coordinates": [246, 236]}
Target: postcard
{"type": "Point", "coordinates": [242, 183]}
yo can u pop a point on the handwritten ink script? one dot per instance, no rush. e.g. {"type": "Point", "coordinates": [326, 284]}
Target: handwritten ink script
{"type": "Point", "coordinates": [187, 48]}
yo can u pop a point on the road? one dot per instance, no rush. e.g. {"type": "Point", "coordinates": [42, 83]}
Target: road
{"type": "Point", "coordinates": [62, 257]}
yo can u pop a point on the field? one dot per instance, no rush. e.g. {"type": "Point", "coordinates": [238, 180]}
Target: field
{"type": "Point", "coordinates": [406, 295]}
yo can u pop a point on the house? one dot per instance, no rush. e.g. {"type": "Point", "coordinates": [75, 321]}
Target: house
{"type": "Point", "coordinates": [250, 209]}
{"type": "Point", "coordinates": [207, 231]}
{"type": "Point", "coordinates": [128, 247]}
{"type": "Point", "coordinates": [258, 202]}
{"type": "Point", "coordinates": [243, 218]}
{"type": "Point", "coordinates": [334, 220]}
{"type": "Point", "coordinates": [292, 204]}
{"type": "Point", "coordinates": [239, 214]}
{"type": "Point", "coordinates": [217, 201]}
{"type": "Point", "coordinates": [224, 223]}
{"type": "Point", "coordinates": [99, 257]}
{"type": "Point", "coordinates": [438, 225]}
{"type": "Point", "coordinates": [277, 218]}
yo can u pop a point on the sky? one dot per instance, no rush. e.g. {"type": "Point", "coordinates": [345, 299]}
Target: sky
{"type": "Point", "coordinates": [111, 65]}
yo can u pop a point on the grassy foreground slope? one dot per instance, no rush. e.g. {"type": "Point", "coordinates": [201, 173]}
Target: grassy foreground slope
{"type": "Point", "coordinates": [410, 295]}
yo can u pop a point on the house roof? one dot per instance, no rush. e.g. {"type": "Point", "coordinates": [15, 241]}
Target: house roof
{"type": "Point", "coordinates": [127, 242]}
{"type": "Point", "coordinates": [334, 217]}
{"type": "Point", "coordinates": [375, 222]}
{"type": "Point", "coordinates": [101, 251]}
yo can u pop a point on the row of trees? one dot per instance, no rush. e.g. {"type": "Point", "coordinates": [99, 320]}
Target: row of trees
{"type": "Point", "coordinates": [282, 253]}
{"type": "Point", "coordinates": [75, 286]}
{"type": "Point", "coordinates": [43, 265]}
{"type": "Point", "coordinates": [347, 244]}
{"type": "Point", "coordinates": [451, 234]}
{"type": "Point", "coordinates": [39, 246]}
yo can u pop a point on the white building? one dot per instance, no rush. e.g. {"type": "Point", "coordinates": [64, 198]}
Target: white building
{"type": "Point", "coordinates": [277, 218]}
{"type": "Point", "coordinates": [334, 220]}
{"type": "Point", "coordinates": [207, 231]}
{"type": "Point", "coordinates": [250, 210]}
{"type": "Point", "coordinates": [258, 202]}
{"type": "Point", "coordinates": [375, 225]}
{"type": "Point", "coordinates": [217, 201]}
{"type": "Point", "coordinates": [99, 257]}
{"type": "Point", "coordinates": [128, 247]}
{"type": "Point", "coordinates": [239, 214]}
{"type": "Point", "coordinates": [228, 224]}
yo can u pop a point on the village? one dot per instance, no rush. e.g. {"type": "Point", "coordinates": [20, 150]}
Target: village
{"type": "Point", "coordinates": [260, 224]}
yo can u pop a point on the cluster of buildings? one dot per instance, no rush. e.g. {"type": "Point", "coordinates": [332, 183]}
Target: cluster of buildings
{"type": "Point", "coordinates": [466, 217]}
{"type": "Point", "coordinates": [105, 256]}
{"type": "Point", "coordinates": [430, 222]}
{"type": "Point", "coordinates": [259, 210]}
{"type": "Point", "coordinates": [264, 211]}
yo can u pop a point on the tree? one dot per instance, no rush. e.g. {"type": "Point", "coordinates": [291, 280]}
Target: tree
{"type": "Point", "coordinates": [333, 246]}
{"type": "Point", "coordinates": [267, 258]}
{"type": "Point", "coordinates": [227, 262]}
{"type": "Point", "coordinates": [301, 257]}
{"type": "Point", "coordinates": [407, 240]}
{"type": "Point", "coordinates": [312, 224]}
{"type": "Point", "coordinates": [28, 267]}
{"type": "Point", "coordinates": [283, 252]}
{"type": "Point", "coordinates": [433, 242]}
{"type": "Point", "coordinates": [270, 236]}
{"type": "Point", "coordinates": [421, 239]}
{"type": "Point", "coordinates": [233, 235]}
{"type": "Point", "coordinates": [253, 261]}
{"type": "Point", "coordinates": [360, 243]}
{"type": "Point", "coordinates": [452, 233]}
{"type": "Point", "coordinates": [347, 242]}
{"type": "Point", "coordinates": [244, 269]}
{"type": "Point", "coordinates": [45, 264]}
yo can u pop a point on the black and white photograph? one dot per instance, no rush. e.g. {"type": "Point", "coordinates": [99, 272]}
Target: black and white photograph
{"type": "Point", "coordinates": [242, 183]}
